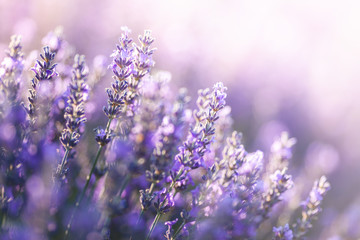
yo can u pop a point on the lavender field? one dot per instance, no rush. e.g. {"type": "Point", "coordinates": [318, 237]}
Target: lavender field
{"type": "Point", "coordinates": [179, 120]}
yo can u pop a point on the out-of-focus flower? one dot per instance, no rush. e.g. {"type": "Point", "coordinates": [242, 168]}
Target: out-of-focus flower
{"type": "Point", "coordinates": [281, 182]}
{"type": "Point", "coordinates": [281, 151]}
{"type": "Point", "coordinates": [43, 71]}
{"type": "Point", "coordinates": [311, 207]}
{"type": "Point", "coordinates": [282, 233]}
{"type": "Point", "coordinates": [11, 68]}
{"type": "Point", "coordinates": [54, 39]}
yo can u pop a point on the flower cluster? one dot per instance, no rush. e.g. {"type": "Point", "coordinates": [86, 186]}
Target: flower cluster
{"type": "Point", "coordinates": [157, 170]}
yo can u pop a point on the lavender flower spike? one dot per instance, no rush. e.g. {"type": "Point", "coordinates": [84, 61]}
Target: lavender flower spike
{"type": "Point", "coordinates": [281, 152]}
{"type": "Point", "coordinates": [43, 71]}
{"type": "Point", "coordinates": [123, 57]}
{"type": "Point", "coordinates": [74, 112]}
{"type": "Point", "coordinates": [11, 69]}
{"type": "Point", "coordinates": [143, 63]}
{"type": "Point", "coordinates": [281, 182]}
{"type": "Point", "coordinates": [122, 67]}
{"type": "Point", "coordinates": [311, 207]}
{"type": "Point", "coordinates": [144, 55]}
{"type": "Point", "coordinates": [192, 152]}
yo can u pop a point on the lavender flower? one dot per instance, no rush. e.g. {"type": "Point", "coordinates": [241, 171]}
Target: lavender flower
{"type": "Point", "coordinates": [164, 202]}
{"type": "Point", "coordinates": [311, 207]}
{"type": "Point", "coordinates": [11, 69]}
{"type": "Point", "coordinates": [169, 133]}
{"type": "Point", "coordinates": [192, 152]}
{"type": "Point", "coordinates": [74, 112]}
{"type": "Point", "coordinates": [282, 233]}
{"type": "Point", "coordinates": [233, 190]}
{"type": "Point", "coordinates": [147, 122]}
{"type": "Point", "coordinates": [144, 60]}
{"type": "Point", "coordinates": [223, 129]}
{"type": "Point", "coordinates": [281, 152]}
{"type": "Point", "coordinates": [12, 115]}
{"type": "Point", "coordinates": [123, 56]}
{"type": "Point", "coordinates": [43, 71]}
{"type": "Point", "coordinates": [65, 54]}
{"type": "Point", "coordinates": [142, 65]}
{"type": "Point", "coordinates": [115, 99]}
{"type": "Point", "coordinates": [54, 40]}
{"type": "Point", "coordinates": [281, 182]}
{"type": "Point", "coordinates": [146, 199]}
{"type": "Point", "coordinates": [121, 66]}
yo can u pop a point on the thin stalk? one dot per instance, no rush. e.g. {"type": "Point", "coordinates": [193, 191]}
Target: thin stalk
{"type": "Point", "coordinates": [3, 221]}
{"type": "Point", "coordinates": [178, 230]}
{"type": "Point", "coordinates": [63, 161]}
{"type": "Point", "coordinates": [88, 178]}
{"type": "Point", "coordinates": [151, 189]}
{"type": "Point", "coordinates": [124, 184]}
{"type": "Point", "coordinates": [152, 227]}
{"type": "Point", "coordinates": [77, 204]}
{"type": "Point", "coordinates": [140, 216]}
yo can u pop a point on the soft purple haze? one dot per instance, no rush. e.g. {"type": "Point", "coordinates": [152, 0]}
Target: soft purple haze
{"type": "Point", "coordinates": [288, 65]}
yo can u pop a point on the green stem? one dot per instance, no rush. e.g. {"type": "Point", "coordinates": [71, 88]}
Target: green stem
{"type": "Point", "coordinates": [124, 184]}
{"type": "Point", "coordinates": [178, 230]}
{"type": "Point", "coordinates": [77, 204]}
{"type": "Point", "coordinates": [141, 213]}
{"type": "Point", "coordinates": [88, 178]}
{"type": "Point", "coordinates": [63, 161]}
{"type": "Point", "coordinates": [108, 125]}
{"type": "Point", "coordinates": [3, 221]}
{"type": "Point", "coordinates": [153, 225]}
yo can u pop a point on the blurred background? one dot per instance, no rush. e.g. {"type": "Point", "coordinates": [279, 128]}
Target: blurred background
{"type": "Point", "coordinates": [288, 65]}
